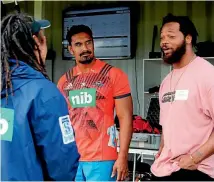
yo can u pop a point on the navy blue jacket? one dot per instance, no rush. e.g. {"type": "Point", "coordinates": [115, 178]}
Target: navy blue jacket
{"type": "Point", "coordinates": [37, 139]}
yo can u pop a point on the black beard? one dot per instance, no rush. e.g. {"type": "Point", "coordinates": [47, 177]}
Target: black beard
{"type": "Point", "coordinates": [87, 61]}
{"type": "Point", "coordinates": [176, 55]}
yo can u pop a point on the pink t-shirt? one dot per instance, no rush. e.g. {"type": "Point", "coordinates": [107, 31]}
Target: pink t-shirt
{"type": "Point", "coordinates": [188, 120]}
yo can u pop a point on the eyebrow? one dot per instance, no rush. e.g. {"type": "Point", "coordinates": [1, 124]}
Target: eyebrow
{"type": "Point", "coordinates": [77, 43]}
{"type": "Point", "coordinates": [88, 40]}
{"type": "Point", "coordinates": [170, 31]}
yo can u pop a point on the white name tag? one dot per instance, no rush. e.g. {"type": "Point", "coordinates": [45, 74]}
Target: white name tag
{"type": "Point", "coordinates": [181, 94]}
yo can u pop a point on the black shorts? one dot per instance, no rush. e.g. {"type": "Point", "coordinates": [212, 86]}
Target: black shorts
{"type": "Point", "coordinates": [185, 175]}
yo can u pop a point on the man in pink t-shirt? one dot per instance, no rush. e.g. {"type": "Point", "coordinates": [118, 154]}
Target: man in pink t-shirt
{"type": "Point", "coordinates": [186, 107]}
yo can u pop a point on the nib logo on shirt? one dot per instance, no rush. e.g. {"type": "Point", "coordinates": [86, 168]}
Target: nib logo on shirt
{"type": "Point", "coordinates": [82, 98]}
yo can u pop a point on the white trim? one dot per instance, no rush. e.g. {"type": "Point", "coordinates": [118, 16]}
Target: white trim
{"type": "Point", "coordinates": [45, 27]}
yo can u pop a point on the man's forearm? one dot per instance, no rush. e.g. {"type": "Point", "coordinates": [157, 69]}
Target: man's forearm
{"type": "Point", "coordinates": [205, 150]}
{"type": "Point", "coordinates": [161, 142]}
{"type": "Point", "coordinates": [160, 147]}
{"type": "Point", "coordinates": [124, 110]}
{"type": "Point", "coordinates": [126, 129]}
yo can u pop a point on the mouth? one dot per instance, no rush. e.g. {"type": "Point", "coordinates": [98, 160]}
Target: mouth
{"type": "Point", "coordinates": [85, 54]}
{"type": "Point", "coordinates": [167, 51]}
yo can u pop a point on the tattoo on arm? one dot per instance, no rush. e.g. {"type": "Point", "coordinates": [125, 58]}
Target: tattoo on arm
{"type": "Point", "coordinates": [199, 154]}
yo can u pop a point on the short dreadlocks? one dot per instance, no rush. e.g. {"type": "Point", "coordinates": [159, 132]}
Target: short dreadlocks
{"type": "Point", "coordinates": [17, 43]}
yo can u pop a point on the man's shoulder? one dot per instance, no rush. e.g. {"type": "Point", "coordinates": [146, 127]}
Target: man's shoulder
{"type": "Point", "coordinates": [62, 78]}
{"type": "Point", "coordinates": [203, 69]}
{"type": "Point", "coordinates": [115, 71]}
{"type": "Point", "coordinates": [112, 70]}
{"type": "Point", "coordinates": [204, 63]}
{"type": "Point", "coordinates": [41, 89]}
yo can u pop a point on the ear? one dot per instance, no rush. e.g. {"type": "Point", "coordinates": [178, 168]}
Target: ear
{"type": "Point", "coordinates": [70, 49]}
{"type": "Point", "coordinates": [188, 39]}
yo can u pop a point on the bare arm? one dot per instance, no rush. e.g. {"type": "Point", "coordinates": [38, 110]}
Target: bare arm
{"type": "Point", "coordinates": [205, 150]}
{"type": "Point", "coordinates": [161, 146]}
{"type": "Point", "coordinates": [161, 143]}
{"type": "Point", "coordinates": [124, 110]}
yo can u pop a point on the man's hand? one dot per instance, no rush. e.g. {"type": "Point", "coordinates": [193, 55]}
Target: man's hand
{"type": "Point", "coordinates": [185, 162]}
{"type": "Point", "coordinates": [41, 46]}
{"type": "Point", "coordinates": [120, 168]}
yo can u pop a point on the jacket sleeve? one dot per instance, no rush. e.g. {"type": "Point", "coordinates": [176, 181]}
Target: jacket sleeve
{"type": "Point", "coordinates": [54, 137]}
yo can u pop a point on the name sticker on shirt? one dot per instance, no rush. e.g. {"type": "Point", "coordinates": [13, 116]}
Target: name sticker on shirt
{"type": "Point", "coordinates": [181, 94]}
{"type": "Point", "coordinates": [66, 129]}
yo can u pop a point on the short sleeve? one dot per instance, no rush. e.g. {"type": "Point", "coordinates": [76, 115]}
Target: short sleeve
{"type": "Point", "coordinates": [121, 87]}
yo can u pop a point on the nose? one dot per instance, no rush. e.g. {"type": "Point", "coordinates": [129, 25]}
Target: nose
{"type": "Point", "coordinates": [84, 47]}
{"type": "Point", "coordinates": [163, 42]}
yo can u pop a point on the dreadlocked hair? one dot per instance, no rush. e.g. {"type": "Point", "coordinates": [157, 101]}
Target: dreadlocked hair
{"type": "Point", "coordinates": [17, 43]}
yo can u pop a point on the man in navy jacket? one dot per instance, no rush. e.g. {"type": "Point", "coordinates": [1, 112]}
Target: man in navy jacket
{"type": "Point", "coordinates": [37, 139]}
